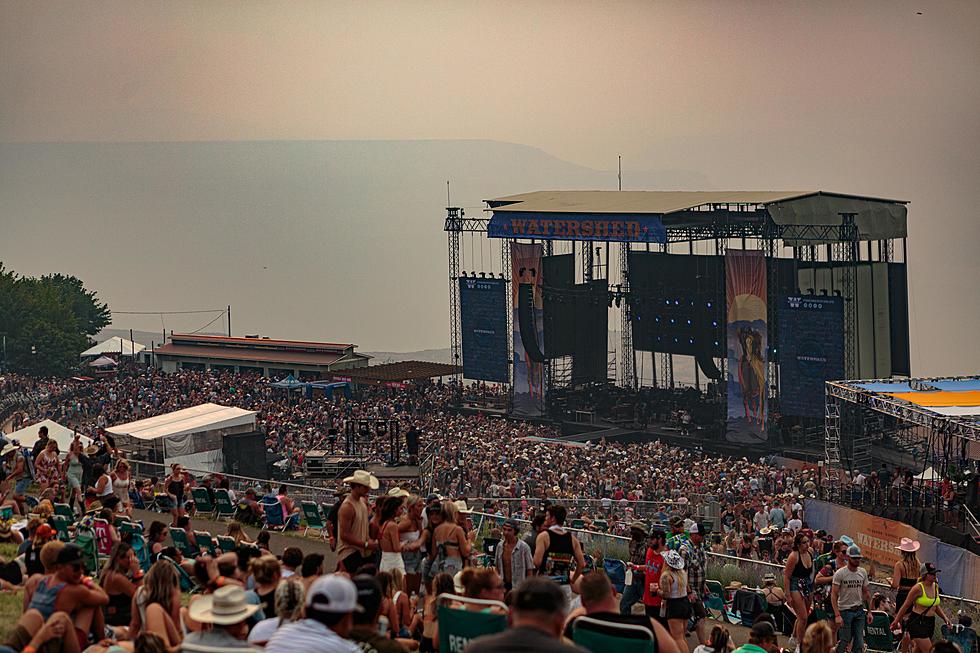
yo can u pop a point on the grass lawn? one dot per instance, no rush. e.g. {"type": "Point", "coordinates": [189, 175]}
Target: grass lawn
{"type": "Point", "coordinates": [10, 603]}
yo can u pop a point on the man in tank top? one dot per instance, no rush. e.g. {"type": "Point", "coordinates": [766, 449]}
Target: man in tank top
{"type": "Point", "coordinates": [558, 552]}
{"type": "Point", "coordinates": [354, 546]}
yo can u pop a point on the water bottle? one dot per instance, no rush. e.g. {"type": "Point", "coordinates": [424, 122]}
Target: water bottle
{"type": "Point", "coordinates": [383, 626]}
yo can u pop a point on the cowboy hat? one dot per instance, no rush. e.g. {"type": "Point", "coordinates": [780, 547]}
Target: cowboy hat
{"type": "Point", "coordinates": [734, 585]}
{"type": "Point", "coordinates": [361, 477]}
{"type": "Point", "coordinates": [90, 450]}
{"type": "Point", "coordinates": [398, 492]}
{"type": "Point", "coordinates": [639, 526]}
{"type": "Point", "coordinates": [225, 607]}
{"type": "Point", "coordinates": [461, 506]}
{"type": "Point", "coordinates": [10, 448]}
{"type": "Point", "coordinates": [674, 560]}
{"type": "Point", "coordinates": [908, 544]}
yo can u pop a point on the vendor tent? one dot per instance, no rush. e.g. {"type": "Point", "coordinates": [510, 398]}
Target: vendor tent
{"type": "Point", "coordinates": [192, 437]}
{"type": "Point", "coordinates": [27, 436]}
{"type": "Point", "coordinates": [116, 346]}
{"type": "Point", "coordinates": [289, 383]}
{"type": "Point", "coordinates": [929, 474]}
{"type": "Point", "coordinates": [103, 361]}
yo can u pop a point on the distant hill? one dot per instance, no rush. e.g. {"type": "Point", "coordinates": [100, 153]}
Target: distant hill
{"type": "Point", "coordinates": [318, 240]}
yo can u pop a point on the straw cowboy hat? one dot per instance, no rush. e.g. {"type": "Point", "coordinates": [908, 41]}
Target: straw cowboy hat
{"type": "Point", "coordinates": [225, 607]}
{"type": "Point", "coordinates": [398, 492]}
{"type": "Point", "coordinates": [10, 448]}
{"type": "Point", "coordinates": [734, 585]}
{"type": "Point", "coordinates": [90, 450]}
{"type": "Point", "coordinates": [908, 544]}
{"type": "Point", "coordinates": [361, 477]}
{"type": "Point", "coordinates": [461, 506]}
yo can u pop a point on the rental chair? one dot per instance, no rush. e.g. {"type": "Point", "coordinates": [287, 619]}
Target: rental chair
{"type": "Point", "coordinates": [314, 519]}
{"type": "Point", "coordinates": [103, 537]}
{"type": "Point", "coordinates": [62, 525]}
{"type": "Point", "coordinates": [963, 636]}
{"type": "Point", "coordinates": [202, 500]}
{"type": "Point", "coordinates": [183, 544]}
{"type": "Point", "coordinates": [456, 626]}
{"type": "Point", "coordinates": [616, 570]}
{"type": "Point", "coordinates": [206, 543]}
{"type": "Point", "coordinates": [600, 525]}
{"type": "Point", "coordinates": [578, 523]}
{"type": "Point", "coordinates": [715, 602]}
{"type": "Point", "coordinates": [226, 544]}
{"type": "Point", "coordinates": [878, 635]}
{"type": "Point", "coordinates": [64, 510]}
{"type": "Point", "coordinates": [127, 527]}
{"type": "Point", "coordinates": [223, 504]}
{"type": "Point", "coordinates": [85, 539]}
{"type": "Point", "coordinates": [597, 636]}
{"type": "Point", "coordinates": [138, 543]}
{"type": "Point", "coordinates": [187, 582]}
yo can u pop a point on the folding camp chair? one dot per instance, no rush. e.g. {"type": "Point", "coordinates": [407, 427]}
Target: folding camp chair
{"type": "Point", "coordinates": [187, 582]}
{"type": "Point", "coordinates": [223, 505]}
{"type": "Point", "coordinates": [457, 626]}
{"type": "Point", "coordinates": [616, 570]}
{"type": "Point", "coordinates": [594, 635]}
{"type": "Point", "coordinates": [65, 511]}
{"type": "Point", "coordinates": [103, 537]}
{"type": "Point", "coordinates": [138, 542]}
{"type": "Point", "coordinates": [62, 526]}
{"type": "Point", "coordinates": [226, 544]}
{"type": "Point", "coordinates": [85, 539]}
{"type": "Point", "coordinates": [578, 523]}
{"type": "Point", "coordinates": [206, 543]}
{"type": "Point", "coordinates": [202, 500]}
{"type": "Point", "coordinates": [183, 544]}
{"type": "Point", "coordinates": [127, 527]}
{"type": "Point", "coordinates": [273, 515]}
{"type": "Point", "coordinates": [600, 525]}
{"type": "Point", "coordinates": [878, 635]}
{"type": "Point", "coordinates": [715, 602]}
{"type": "Point", "coordinates": [313, 518]}
{"type": "Point", "coordinates": [963, 636]}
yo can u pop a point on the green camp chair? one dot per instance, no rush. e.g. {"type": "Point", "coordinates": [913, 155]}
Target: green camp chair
{"type": "Point", "coordinates": [226, 544]}
{"type": "Point", "coordinates": [715, 601]}
{"type": "Point", "coordinates": [578, 523]}
{"type": "Point", "coordinates": [601, 525]}
{"type": "Point", "coordinates": [202, 500]}
{"type": "Point", "coordinates": [119, 520]}
{"type": "Point", "coordinates": [62, 525]}
{"type": "Point", "coordinates": [457, 627]}
{"type": "Point", "coordinates": [65, 511]}
{"type": "Point", "coordinates": [633, 639]}
{"type": "Point", "coordinates": [85, 539]}
{"type": "Point", "coordinates": [183, 544]}
{"type": "Point", "coordinates": [206, 543]}
{"type": "Point", "coordinates": [127, 527]}
{"type": "Point", "coordinates": [223, 505]}
{"type": "Point", "coordinates": [314, 519]}
{"type": "Point", "coordinates": [878, 634]}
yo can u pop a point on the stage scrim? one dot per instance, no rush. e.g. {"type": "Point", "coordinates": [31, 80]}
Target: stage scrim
{"type": "Point", "coordinates": [747, 336]}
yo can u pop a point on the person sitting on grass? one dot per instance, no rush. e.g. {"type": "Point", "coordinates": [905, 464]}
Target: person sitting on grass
{"type": "Point", "coordinates": [35, 634]}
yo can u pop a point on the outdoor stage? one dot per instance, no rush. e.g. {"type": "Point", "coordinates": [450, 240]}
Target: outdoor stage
{"type": "Point", "coordinates": [763, 296]}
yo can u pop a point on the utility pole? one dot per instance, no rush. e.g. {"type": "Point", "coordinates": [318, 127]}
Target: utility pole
{"type": "Point", "coordinates": [229, 320]}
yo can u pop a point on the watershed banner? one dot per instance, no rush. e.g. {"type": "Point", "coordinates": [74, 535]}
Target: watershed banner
{"type": "Point", "coordinates": [748, 347]}
{"type": "Point", "coordinates": [529, 376]}
{"type": "Point", "coordinates": [811, 351]}
{"type": "Point", "coordinates": [577, 226]}
{"type": "Point", "coordinates": [879, 538]}
{"type": "Point", "coordinates": [483, 322]}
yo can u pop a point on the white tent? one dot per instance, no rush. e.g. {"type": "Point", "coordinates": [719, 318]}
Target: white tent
{"type": "Point", "coordinates": [113, 345]}
{"type": "Point", "coordinates": [929, 474]}
{"type": "Point", "coordinates": [27, 436]}
{"type": "Point", "coordinates": [192, 436]}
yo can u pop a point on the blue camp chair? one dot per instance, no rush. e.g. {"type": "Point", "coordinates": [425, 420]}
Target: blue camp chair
{"type": "Point", "coordinates": [273, 515]}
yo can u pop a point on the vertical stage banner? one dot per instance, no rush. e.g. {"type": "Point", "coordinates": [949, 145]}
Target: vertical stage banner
{"type": "Point", "coordinates": [529, 376]}
{"type": "Point", "coordinates": [811, 351]}
{"type": "Point", "coordinates": [483, 322]}
{"type": "Point", "coordinates": [747, 343]}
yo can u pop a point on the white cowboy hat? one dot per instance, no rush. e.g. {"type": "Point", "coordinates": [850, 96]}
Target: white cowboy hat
{"type": "Point", "coordinates": [225, 607]}
{"type": "Point", "coordinates": [8, 449]}
{"type": "Point", "coordinates": [461, 506]}
{"type": "Point", "coordinates": [364, 478]}
{"type": "Point", "coordinates": [908, 544]}
{"type": "Point", "coordinates": [398, 492]}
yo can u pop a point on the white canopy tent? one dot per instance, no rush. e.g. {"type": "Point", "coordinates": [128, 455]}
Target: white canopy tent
{"type": "Point", "coordinates": [928, 474]}
{"type": "Point", "coordinates": [27, 436]}
{"type": "Point", "coordinates": [192, 436]}
{"type": "Point", "coordinates": [114, 345]}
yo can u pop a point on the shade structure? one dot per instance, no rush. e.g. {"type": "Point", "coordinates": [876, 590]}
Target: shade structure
{"type": "Point", "coordinates": [27, 436]}
{"type": "Point", "coordinates": [116, 346]}
{"type": "Point", "coordinates": [103, 361]}
{"type": "Point", "coordinates": [288, 383]}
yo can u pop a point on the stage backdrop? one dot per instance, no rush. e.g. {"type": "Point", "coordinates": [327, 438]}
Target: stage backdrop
{"type": "Point", "coordinates": [747, 343]}
{"type": "Point", "coordinates": [529, 376]}
{"type": "Point", "coordinates": [811, 351]}
{"type": "Point", "coordinates": [483, 322]}
{"type": "Point", "coordinates": [879, 537]}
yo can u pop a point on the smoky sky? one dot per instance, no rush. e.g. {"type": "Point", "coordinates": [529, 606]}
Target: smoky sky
{"type": "Point", "coordinates": [871, 98]}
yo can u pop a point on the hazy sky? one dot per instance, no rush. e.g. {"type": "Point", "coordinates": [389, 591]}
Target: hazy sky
{"type": "Point", "coordinates": [864, 97]}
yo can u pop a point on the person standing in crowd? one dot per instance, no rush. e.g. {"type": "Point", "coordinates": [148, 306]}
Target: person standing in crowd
{"type": "Point", "coordinates": [599, 602]}
{"type": "Point", "coordinates": [41, 444]}
{"type": "Point", "coordinates": [354, 546]}
{"type": "Point", "coordinates": [676, 607]}
{"type": "Point", "coordinates": [538, 615]}
{"type": "Point", "coordinates": [797, 582]}
{"type": "Point", "coordinates": [922, 606]}
{"type": "Point", "coordinates": [450, 547]}
{"type": "Point", "coordinates": [73, 470]}
{"type": "Point", "coordinates": [653, 568]}
{"type": "Point", "coordinates": [20, 476]}
{"type": "Point", "coordinates": [513, 557]}
{"type": "Point", "coordinates": [121, 482]}
{"type": "Point", "coordinates": [47, 471]}
{"type": "Point", "coordinates": [633, 592]}
{"type": "Point", "coordinates": [695, 565]}
{"type": "Point", "coordinates": [410, 535]}
{"type": "Point", "coordinates": [904, 577]}
{"type": "Point", "coordinates": [851, 598]}
{"type": "Point", "coordinates": [365, 629]}
{"type": "Point", "coordinates": [330, 606]}
{"type": "Point", "coordinates": [174, 484]}
{"type": "Point", "coordinates": [558, 552]}
{"type": "Point", "coordinates": [388, 537]}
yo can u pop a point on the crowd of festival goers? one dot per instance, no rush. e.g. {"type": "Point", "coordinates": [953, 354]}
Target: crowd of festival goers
{"type": "Point", "coordinates": [396, 551]}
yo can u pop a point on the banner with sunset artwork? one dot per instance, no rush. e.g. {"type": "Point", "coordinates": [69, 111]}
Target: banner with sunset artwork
{"type": "Point", "coordinates": [747, 341]}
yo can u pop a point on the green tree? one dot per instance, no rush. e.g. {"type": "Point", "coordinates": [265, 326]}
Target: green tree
{"type": "Point", "coordinates": [47, 321]}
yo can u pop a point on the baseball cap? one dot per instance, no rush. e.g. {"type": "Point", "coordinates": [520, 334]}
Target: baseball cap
{"type": "Point", "coordinates": [368, 595]}
{"type": "Point", "coordinates": [928, 568]}
{"type": "Point", "coordinates": [334, 594]}
{"type": "Point", "coordinates": [71, 554]}
{"type": "Point", "coordinates": [763, 630]}
{"type": "Point", "coordinates": [854, 551]}
{"type": "Point", "coordinates": [44, 531]}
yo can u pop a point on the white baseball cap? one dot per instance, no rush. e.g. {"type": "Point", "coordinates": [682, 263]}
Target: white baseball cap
{"type": "Point", "coordinates": [332, 593]}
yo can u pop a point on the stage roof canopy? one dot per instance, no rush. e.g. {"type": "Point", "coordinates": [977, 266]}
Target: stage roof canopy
{"type": "Point", "coordinates": [205, 417]}
{"type": "Point", "coordinates": [398, 372]}
{"type": "Point", "coordinates": [876, 218]}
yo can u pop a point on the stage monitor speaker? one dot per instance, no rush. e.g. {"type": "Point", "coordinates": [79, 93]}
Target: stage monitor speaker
{"type": "Point", "coordinates": [525, 317]}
